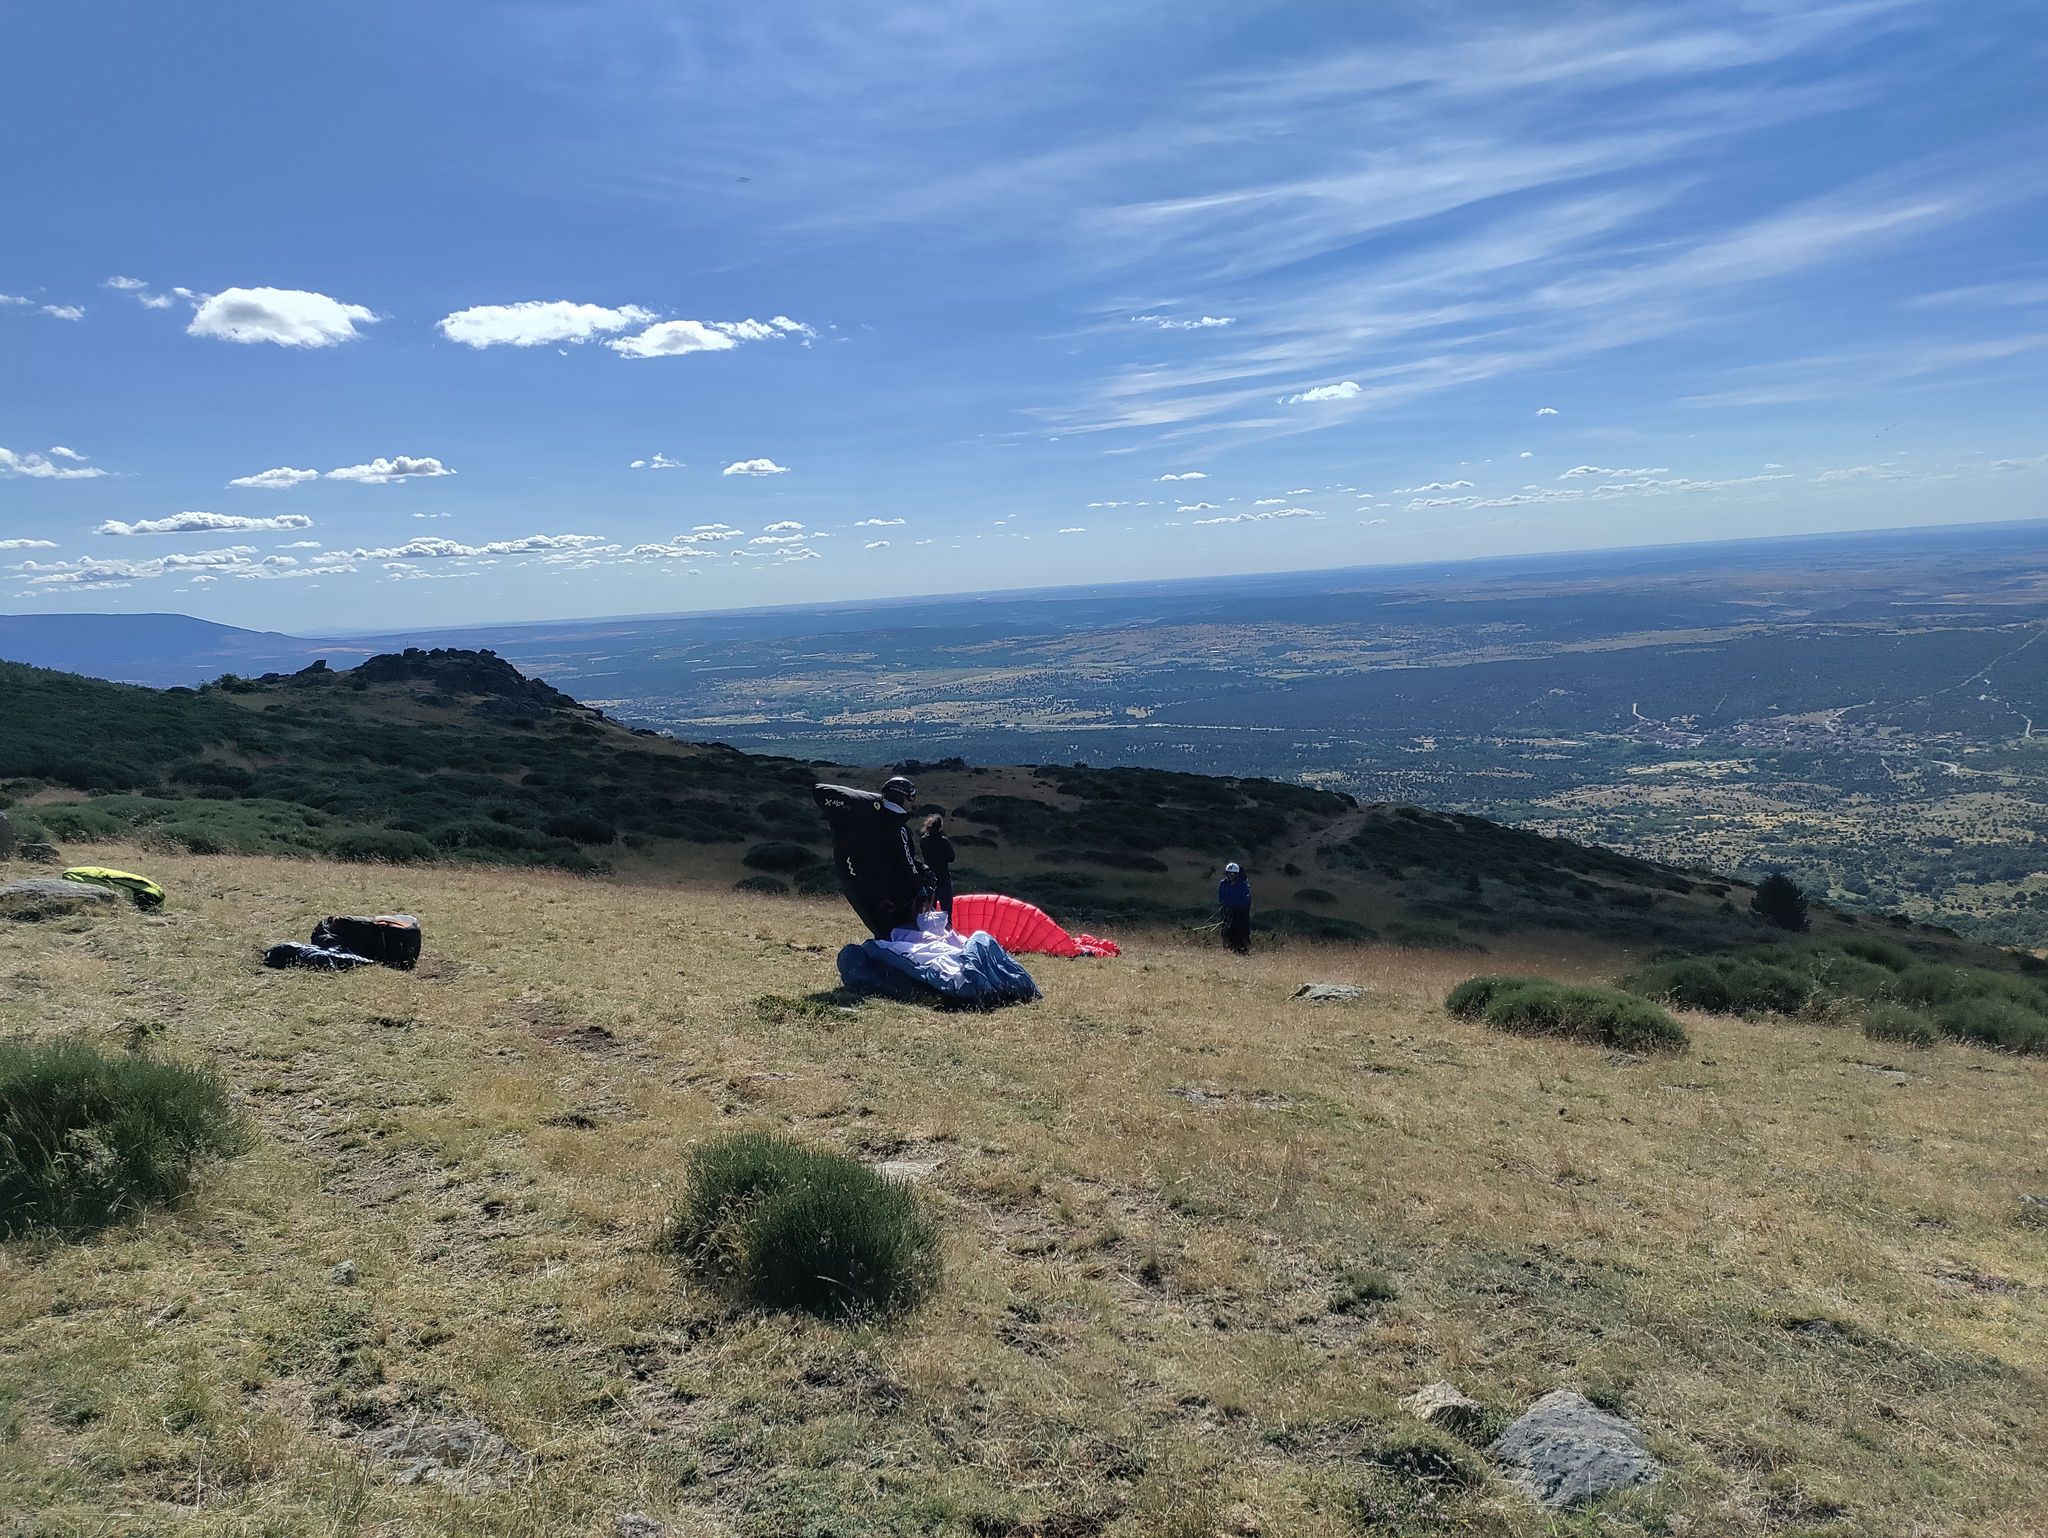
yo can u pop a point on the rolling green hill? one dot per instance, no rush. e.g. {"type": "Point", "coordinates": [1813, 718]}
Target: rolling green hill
{"type": "Point", "coordinates": [448, 754]}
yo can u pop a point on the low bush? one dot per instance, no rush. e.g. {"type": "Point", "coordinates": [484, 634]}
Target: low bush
{"type": "Point", "coordinates": [770, 886]}
{"type": "Point", "coordinates": [1896, 1022]}
{"type": "Point", "coordinates": [87, 1138]}
{"type": "Point", "coordinates": [1995, 1022]}
{"type": "Point", "coordinates": [794, 1227]}
{"type": "Point", "coordinates": [1534, 1006]}
{"type": "Point", "coordinates": [1470, 998]}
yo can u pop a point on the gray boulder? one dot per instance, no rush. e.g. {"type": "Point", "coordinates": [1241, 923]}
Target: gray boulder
{"type": "Point", "coordinates": [1564, 1451]}
{"type": "Point", "coordinates": [2034, 1210]}
{"type": "Point", "coordinates": [49, 897]}
{"type": "Point", "coordinates": [7, 838]}
{"type": "Point", "coordinates": [38, 854]}
{"type": "Point", "coordinates": [1329, 993]}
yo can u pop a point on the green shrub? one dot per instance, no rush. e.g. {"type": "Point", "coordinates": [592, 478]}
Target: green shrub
{"type": "Point", "coordinates": [1896, 1022]}
{"type": "Point", "coordinates": [772, 886]}
{"type": "Point", "coordinates": [1995, 1022]}
{"type": "Point", "coordinates": [779, 857]}
{"type": "Point", "coordinates": [380, 844]}
{"type": "Point", "coordinates": [818, 880]}
{"type": "Point", "coordinates": [1470, 998]}
{"type": "Point", "coordinates": [87, 1139]}
{"type": "Point", "coordinates": [1605, 1017]}
{"type": "Point", "coordinates": [1690, 984]}
{"type": "Point", "coordinates": [1880, 953]}
{"type": "Point", "coordinates": [793, 1227]}
{"type": "Point", "coordinates": [1780, 903]}
{"type": "Point", "coordinates": [580, 828]}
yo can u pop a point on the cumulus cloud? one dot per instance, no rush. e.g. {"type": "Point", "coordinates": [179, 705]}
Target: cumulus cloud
{"type": "Point", "coordinates": [787, 526]}
{"type": "Point", "coordinates": [1269, 513]}
{"type": "Point", "coordinates": [205, 523]}
{"type": "Point", "coordinates": [125, 283]}
{"type": "Point", "coordinates": [1330, 392]}
{"type": "Point", "coordinates": [1166, 323]}
{"type": "Point", "coordinates": [777, 539]}
{"type": "Point", "coordinates": [876, 544]}
{"type": "Point", "coordinates": [1073, 531]}
{"type": "Point", "coordinates": [1187, 475]}
{"type": "Point", "coordinates": [301, 544]}
{"type": "Point", "coordinates": [1599, 490]}
{"type": "Point", "coordinates": [879, 523]}
{"type": "Point", "coordinates": [1546, 411]}
{"type": "Point", "coordinates": [658, 462]}
{"type": "Point", "coordinates": [1194, 507]}
{"type": "Point", "coordinates": [65, 311]}
{"type": "Point", "coordinates": [381, 471]}
{"type": "Point", "coordinates": [1417, 491]}
{"type": "Point", "coordinates": [288, 317]}
{"type": "Point", "coordinates": [429, 549]}
{"type": "Point", "coordinates": [678, 338]}
{"type": "Point", "coordinates": [537, 322]}
{"type": "Point", "coordinates": [754, 467]}
{"type": "Point", "coordinates": [15, 299]}
{"type": "Point", "coordinates": [154, 301]}
{"type": "Point", "coordinates": [275, 480]}
{"type": "Point", "coordinates": [28, 544]}
{"type": "Point", "coordinates": [42, 467]}
{"type": "Point", "coordinates": [89, 572]}
{"type": "Point", "coordinates": [1527, 455]}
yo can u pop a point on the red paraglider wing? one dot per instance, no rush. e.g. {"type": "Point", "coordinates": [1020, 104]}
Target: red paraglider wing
{"type": "Point", "coordinates": [1016, 926]}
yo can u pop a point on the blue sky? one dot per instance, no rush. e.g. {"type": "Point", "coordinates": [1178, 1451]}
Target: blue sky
{"type": "Point", "coordinates": [323, 316]}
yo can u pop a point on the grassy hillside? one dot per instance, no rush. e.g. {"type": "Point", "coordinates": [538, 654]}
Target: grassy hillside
{"type": "Point", "coordinates": [1198, 1240]}
{"type": "Point", "coordinates": [436, 755]}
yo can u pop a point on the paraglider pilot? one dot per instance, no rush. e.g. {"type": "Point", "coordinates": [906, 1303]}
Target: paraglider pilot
{"type": "Point", "coordinates": [1234, 897]}
{"type": "Point", "coordinates": [875, 853]}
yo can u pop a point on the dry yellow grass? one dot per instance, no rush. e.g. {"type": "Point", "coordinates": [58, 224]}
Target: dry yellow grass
{"type": "Point", "coordinates": [1804, 1279]}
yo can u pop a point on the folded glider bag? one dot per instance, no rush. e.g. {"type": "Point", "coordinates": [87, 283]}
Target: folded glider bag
{"type": "Point", "coordinates": [391, 939]}
{"type": "Point", "coordinates": [314, 958]}
{"type": "Point", "coordinates": [1019, 927]}
{"type": "Point", "coordinates": [977, 973]}
{"type": "Point", "coordinates": [876, 859]}
{"type": "Point", "coordinates": [147, 893]}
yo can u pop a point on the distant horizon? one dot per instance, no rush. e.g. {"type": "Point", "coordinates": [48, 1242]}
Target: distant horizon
{"type": "Point", "coordinates": [615, 309]}
{"type": "Point", "coordinates": [1017, 593]}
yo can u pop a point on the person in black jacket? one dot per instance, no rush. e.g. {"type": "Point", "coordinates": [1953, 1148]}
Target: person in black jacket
{"type": "Point", "coordinates": [938, 858]}
{"type": "Point", "coordinates": [876, 854]}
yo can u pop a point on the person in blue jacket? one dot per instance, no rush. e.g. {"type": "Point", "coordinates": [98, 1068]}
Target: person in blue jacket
{"type": "Point", "coordinates": [1234, 896]}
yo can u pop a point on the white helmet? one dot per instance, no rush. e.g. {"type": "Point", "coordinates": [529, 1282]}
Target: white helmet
{"type": "Point", "coordinates": [1232, 869]}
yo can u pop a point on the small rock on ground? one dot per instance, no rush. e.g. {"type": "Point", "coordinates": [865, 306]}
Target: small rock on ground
{"type": "Point", "coordinates": [907, 1172]}
{"type": "Point", "coordinates": [1443, 1407]}
{"type": "Point", "coordinates": [2034, 1209]}
{"type": "Point", "coordinates": [39, 854]}
{"type": "Point", "coordinates": [344, 1275]}
{"type": "Point", "coordinates": [1330, 993]}
{"type": "Point", "coordinates": [637, 1524]}
{"type": "Point", "coordinates": [1564, 1451]}
{"type": "Point", "coordinates": [463, 1454]}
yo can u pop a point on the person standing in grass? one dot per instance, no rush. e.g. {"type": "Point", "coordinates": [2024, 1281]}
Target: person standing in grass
{"type": "Point", "coordinates": [1234, 897]}
{"type": "Point", "coordinates": [938, 853]}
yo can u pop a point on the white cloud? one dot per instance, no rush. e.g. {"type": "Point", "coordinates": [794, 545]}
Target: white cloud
{"type": "Point", "coordinates": [289, 317]}
{"type": "Point", "coordinates": [679, 338]}
{"type": "Point", "coordinates": [58, 451]}
{"type": "Point", "coordinates": [1581, 472]}
{"type": "Point", "coordinates": [537, 322]}
{"type": "Point", "coordinates": [1268, 501]}
{"type": "Point", "coordinates": [1270, 513]}
{"type": "Point", "coordinates": [89, 572]}
{"type": "Point", "coordinates": [28, 544]}
{"type": "Point", "coordinates": [1164, 323]}
{"type": "Point", "coordinates": [1527, 455]}
{"type": "Point", "coordinates": [205, 523]}
{"type": "Point", "coordinates": [65, 311]}
{"type": "Point", "coordinates": [301, 544]}
{"type": "Point", "coordinates": [424, 549]}
{"type": "Point", "coordinates": [876, 544]}
{"type": "Point", "coordinates": [777, 539]}
{"type": "Point", "coordinates": [658, 462]}
{"type": "Point", "coordinates": [879, 523]}
{"type": "Point", "coordinates": [754, 467]}
{"type": "Point", "coordinates": [1330, 392]}
{"type": "Point", "coordinates": [125, 283]}
{"type": "Point", "coordinates": [1194, 507]}
{"type": "Point", "coordinates": [15, 299]}
{"type": "Point", "coordinates": [38, 467]}
{"type": "Point", "coordinates": [787, 526]}
{"type": "Point", "coordinates": [1073, 531]}
{"type": "Point", "coordinates": [380, 471]}
{"type": "Point", "coordinates": [155, 301]}
{"type": "Point", "coordinates": [801, 553]}
{"type": "Point", "coordinates": [1416, 491]}
{"type": "Point", "coordinates": [1187, 475]}
{"type": "Point", "coordinates": [275, 480]}
{"type": "Point", "coordinates": [1546, 411]}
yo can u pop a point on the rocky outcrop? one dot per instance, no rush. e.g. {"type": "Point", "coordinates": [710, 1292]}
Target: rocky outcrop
{"type": "Point", "coordinates": [1564, 1451]}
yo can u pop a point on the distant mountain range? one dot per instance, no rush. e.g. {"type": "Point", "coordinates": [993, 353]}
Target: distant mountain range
{"type": "Point", "coordinates": [162, 650]}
